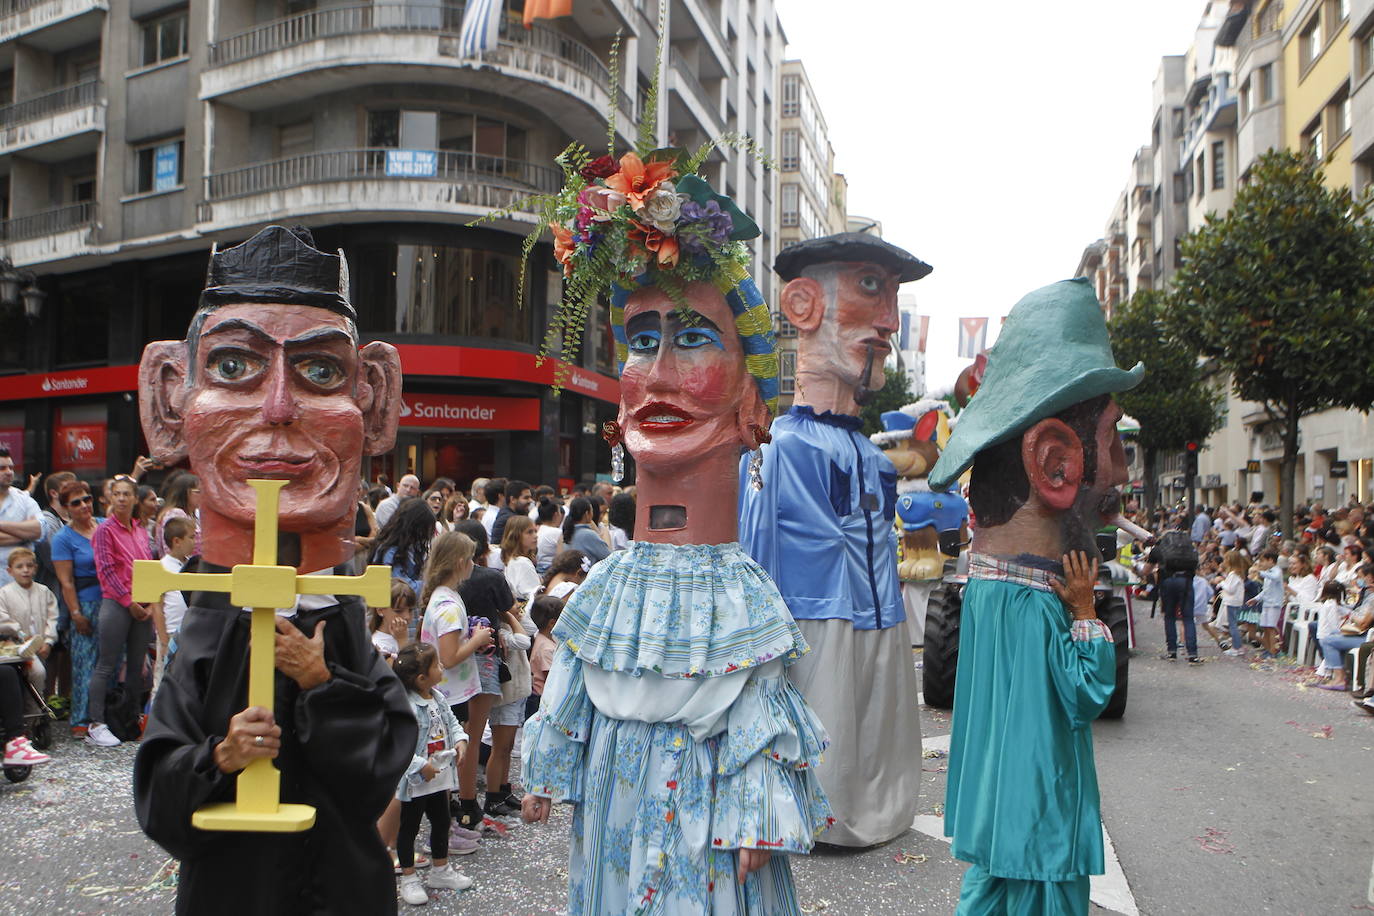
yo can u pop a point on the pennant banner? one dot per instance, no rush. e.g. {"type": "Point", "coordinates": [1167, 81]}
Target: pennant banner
{"type": "Point", "coordinates": [481, 25]}
{"type": "Point", "coordinates": [973, 334]}
{"type": "Point", "coordinates": [925, 332]}
{"type": "Point", "coordinates": [546, 9]}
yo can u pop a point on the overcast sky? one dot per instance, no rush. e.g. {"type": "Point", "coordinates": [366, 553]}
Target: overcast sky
{"type": "Point", "coordinates": [991, 139]}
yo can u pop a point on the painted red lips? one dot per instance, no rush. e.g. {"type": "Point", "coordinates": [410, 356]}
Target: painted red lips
{"type": "Point", "coordinates": [660, 416]}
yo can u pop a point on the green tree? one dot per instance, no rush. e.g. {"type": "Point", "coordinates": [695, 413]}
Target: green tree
{"type": "Point", "coordinates": [1280, 293]}
{"type": "Point", "coordinates": [1175, 403]}
{"type": "Point", "coordinates": [895, 393]}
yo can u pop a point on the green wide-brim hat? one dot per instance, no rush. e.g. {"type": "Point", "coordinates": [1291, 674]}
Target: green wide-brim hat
{"type": "Point", "coordinates": [1053, 352]}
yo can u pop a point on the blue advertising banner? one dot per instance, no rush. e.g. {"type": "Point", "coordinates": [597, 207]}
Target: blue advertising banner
{"type": "Point", "coordinates": [166, 165]}
{"type": "Point", "coordinates": [411, 163]}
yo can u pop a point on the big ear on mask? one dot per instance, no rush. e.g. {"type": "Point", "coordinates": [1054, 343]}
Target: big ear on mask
{"type": "Point", "coordinates": [162, 398]}
{"type": "Point", "coordinates": [378, 393]}
{"type": "Point", "coordinates": [803, 302]}
{"type": "Point", "coordinates": [1053, 458]}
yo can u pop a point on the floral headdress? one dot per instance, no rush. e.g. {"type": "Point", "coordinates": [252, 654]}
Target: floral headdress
{"type": "Point", "coordinates": [647, 218]}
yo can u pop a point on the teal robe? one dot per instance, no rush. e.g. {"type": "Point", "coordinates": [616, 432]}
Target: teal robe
{"type": "Point", "coordinates": [1022, 798]}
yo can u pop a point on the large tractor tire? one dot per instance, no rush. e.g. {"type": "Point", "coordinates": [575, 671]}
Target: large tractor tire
{"type": "Point", "coordinates": [1114, 616]}
{"type": "Point", "coordinates": [941, 656]}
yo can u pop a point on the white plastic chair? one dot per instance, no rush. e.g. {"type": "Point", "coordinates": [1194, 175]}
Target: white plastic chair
{"type": "Point", "coordinates": [1300, 644]}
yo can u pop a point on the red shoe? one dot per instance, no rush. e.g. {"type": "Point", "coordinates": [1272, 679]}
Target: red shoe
{"type": "Point", "coordinates": [19, 753]}
{"type": "Point", "coordinates": [78, 731]}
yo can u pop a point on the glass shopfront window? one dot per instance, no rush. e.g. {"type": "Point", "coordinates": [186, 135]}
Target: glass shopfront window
{"type": "Point", "coordinates": [443, 291]}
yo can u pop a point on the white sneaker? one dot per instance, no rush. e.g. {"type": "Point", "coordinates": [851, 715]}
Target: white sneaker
{"type": "Point", "coordinates": [1234, 653]}
{"type": "Point", "coordinates": [412, 892]}
{"type": "Point", "coordinates": [447, 877]}
{"type": "Point", "coordinates": [99, 735]}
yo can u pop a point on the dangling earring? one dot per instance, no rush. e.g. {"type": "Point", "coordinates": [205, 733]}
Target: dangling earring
{"type": "Point", "coordinates": [610, 431]}
{"type": "Point", "coordinates": [761, 436]}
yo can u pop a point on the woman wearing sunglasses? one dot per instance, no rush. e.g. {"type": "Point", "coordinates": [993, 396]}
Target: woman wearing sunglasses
{"type": "Point", "coordinates": [73, 559]}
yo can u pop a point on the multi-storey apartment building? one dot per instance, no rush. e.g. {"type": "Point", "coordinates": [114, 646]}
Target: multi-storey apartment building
{"type": "Point", "coordinates": [1262, 75]}
{"type": "Point", "coordinates": [134, 133]}
{"type": "Point", "coordinates": [811, 197]}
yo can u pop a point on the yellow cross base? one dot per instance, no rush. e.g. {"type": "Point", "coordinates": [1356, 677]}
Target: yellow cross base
{"type": "Point", "coordinates": [263, 586]}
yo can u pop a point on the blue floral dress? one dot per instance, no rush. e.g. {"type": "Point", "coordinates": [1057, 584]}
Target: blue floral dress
{"type": "Point", "coordinates": [668, 721]}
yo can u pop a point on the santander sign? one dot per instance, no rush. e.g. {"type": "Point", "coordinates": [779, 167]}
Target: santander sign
{"type": "Point", "coordinates": [449, 411]}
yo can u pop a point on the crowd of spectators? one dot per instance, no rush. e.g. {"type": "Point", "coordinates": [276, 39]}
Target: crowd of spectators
{"type": "Point", "coordinates": [479, 578]}
{"type": "Point", "coordinates": [1255, 593]}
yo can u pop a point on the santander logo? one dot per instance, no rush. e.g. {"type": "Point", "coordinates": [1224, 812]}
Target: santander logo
{"type": "Point", "coordinates": [75, 383]}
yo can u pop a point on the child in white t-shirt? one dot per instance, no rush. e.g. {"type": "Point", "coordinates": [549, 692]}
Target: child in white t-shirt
{"type": "Point", "coordinates": [179, 541]}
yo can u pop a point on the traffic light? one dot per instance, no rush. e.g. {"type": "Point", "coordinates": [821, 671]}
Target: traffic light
{"type": "Point", "coordinates": [1190, 459]}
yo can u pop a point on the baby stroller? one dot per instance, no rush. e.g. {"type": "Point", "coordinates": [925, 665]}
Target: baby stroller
{"type": "Point", "coordinates": [38, 718]}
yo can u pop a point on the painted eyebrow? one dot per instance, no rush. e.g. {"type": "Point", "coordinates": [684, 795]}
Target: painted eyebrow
{"type": "Point", "coordinates": [315, 336]}
{"type": "Point", "coordinates": [644, 321]}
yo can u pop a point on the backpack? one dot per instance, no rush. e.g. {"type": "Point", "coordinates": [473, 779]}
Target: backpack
{"type": "Point", "coordinates": [123, 713]}
{"type": "Point", "coordinates": [1177, 553]}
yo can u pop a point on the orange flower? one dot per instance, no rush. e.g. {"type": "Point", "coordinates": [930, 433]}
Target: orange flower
{"type": "Point", "coordinates": [636, 180]}
{"type": "Point", "coordinates": [660, 243]}
{"type": "Point", "coordinates": [563, 247]}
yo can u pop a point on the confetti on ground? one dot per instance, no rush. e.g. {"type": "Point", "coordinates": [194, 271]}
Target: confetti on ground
{"type": "Point", "coordinates": [933, 753]}
{"type": "Point", "coordinates": [910, 858]}
{"type": "Point", "coordinates": [1214, 840]}
{"type": "Point", "coordinates": [819, 906]}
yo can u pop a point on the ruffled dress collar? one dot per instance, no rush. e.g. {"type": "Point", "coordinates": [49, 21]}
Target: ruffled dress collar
{"type": "Point", "coordinates": [679, 611]}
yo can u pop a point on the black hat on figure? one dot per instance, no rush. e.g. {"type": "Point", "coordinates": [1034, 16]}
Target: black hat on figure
{"type": "Point", "coordinates": [849, 246]}
{"type": "Point", "coordinates": [278, 265]}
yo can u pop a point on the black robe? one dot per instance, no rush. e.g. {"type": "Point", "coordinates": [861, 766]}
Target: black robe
{"type": "Point", "coordinates": [345, 745]}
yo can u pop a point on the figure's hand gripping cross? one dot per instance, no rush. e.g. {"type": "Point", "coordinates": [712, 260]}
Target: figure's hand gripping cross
{"type": "Point", "coordinates": [263, 586]}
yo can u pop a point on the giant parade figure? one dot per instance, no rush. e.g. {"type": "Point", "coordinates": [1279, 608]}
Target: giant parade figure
{"type": "Point", "coordinates": [823, 529]}
{"type": "Point", "coordinates": [1036, 665]}
{"type": "Point", "coordinates": [667, 720]}
{"type": "Point", "coordinates": [271, 399]}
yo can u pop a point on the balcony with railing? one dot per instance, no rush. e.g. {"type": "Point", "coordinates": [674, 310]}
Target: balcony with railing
{"type": "Point", "coordinates": [337, 49]}
{"type": "Point", "coordinates": [49, 235]}
{"type": "Point", "coordinates": [380, 182]}
{"type": "Point", "coordinates": [1217, 111]}
{"type": "Point", "coordinates": [21, 17]}
{"type": "Point", "coordinates": [689, 96]}
{"type": "Point", "coordinates": [707, 24]}
{"type": "Point", "coordinates": [61, 114]}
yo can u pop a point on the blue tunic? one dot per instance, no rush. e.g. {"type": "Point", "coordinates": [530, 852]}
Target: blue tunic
{"type": "Point", "coordinates": [1022, 798]}
{"type": "Point", "coordinates": [822, 526]}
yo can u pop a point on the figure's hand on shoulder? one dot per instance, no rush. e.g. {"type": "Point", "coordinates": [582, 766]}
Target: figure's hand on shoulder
{"type": "Point", "coordinates": [1076, 588]}
{"type": "Point", "coordinates": [252, 733]}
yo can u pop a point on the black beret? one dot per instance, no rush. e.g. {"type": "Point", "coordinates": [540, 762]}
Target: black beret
{"type": "Point", "coordinates": [849, 246]}
{"type": "Point", "coordinates": [278, 265]}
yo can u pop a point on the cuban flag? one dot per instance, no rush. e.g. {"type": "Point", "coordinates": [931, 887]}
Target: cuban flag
{"type": "Point", "coordinates": [973, 335]}
{"type": "Point", "coordinates": [481, 23]}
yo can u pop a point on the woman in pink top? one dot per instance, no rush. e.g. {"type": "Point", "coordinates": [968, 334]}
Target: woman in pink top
{"type": "Point", "coordinates": [125, 625]}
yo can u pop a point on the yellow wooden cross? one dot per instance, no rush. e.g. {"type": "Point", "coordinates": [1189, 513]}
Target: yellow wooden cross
{"type": "Point", "coordinates": [263, 586]}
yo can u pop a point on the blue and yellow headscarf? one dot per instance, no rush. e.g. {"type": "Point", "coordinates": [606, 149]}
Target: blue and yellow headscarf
{"type": "Point", "coordinates": [753, 324]}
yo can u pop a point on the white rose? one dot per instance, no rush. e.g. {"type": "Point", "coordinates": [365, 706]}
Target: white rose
{"type": "Point", "coordinates": [662, 206]}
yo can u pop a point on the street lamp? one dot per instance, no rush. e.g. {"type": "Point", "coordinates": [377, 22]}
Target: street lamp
{"type": "Point", "coordinates": [20, 287]}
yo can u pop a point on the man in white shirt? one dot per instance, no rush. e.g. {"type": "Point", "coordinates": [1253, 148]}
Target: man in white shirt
{"type": "Point", "coordinates": [1260, 536]}
{"type": "Point", "coordinates": [406, 487]}
{"type": "Point", "coordinates": [20, 517]}
{"type": "Point", "coordinates": [479, 496]}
